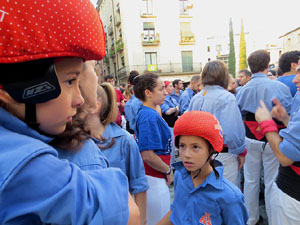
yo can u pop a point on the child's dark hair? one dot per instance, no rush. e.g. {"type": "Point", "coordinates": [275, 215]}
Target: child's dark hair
{"type": "Point", "coordinates": [144, 82]}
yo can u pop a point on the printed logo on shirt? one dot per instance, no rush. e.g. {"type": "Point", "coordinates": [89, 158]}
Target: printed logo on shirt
{"type": "Point", "coordinates": [204, 93]}
{"type": "Point", "coordinates": [205, 220]}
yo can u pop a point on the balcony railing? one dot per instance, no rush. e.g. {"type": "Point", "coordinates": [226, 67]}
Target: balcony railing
{"type": "Point", "coordinates": [150, 40]}
{"type": "Point", "coordinates": [187, 40]}
{"type": "Point", "coordinates": [120, 45]}
{"type": "Point", "coordinates": [112, 52]}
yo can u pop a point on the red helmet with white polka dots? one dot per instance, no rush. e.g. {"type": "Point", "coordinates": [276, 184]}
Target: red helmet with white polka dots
{"type": "Point", "coordinates": [38, 29]}
{"type": "Point", "coordinates": [35, 32]}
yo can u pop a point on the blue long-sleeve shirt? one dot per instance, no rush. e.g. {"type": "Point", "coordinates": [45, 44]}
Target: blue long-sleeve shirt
{"type": "Point", "coordinates": [260, 87]}
{"type": "Point", "coordinates": [296, 102]}
{"type": "Point", "coordinates": [168, 103]}
{"type": "Point", "coordinates": [131, 109]}
{"type": "Point", "coordinates": [125, 154]}
{"type": "Point", "coordinates": [215, 201]}
{"type": "Point", "coordinates": [291, 138]}
{"type": "Point", "coordinates": [223, 106]}
{"type": "Point", "coordinates": [176, 97]}
{"type": "Point", "coordinates": [185, 99]}
{"type": "Point", "coordinates": [36, 187]}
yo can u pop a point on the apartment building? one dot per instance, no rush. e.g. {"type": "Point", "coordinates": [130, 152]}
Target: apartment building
{"type": "Point", "coordinates": [152, 35]}
{"type": "Point", "coordinates": [291, 40]}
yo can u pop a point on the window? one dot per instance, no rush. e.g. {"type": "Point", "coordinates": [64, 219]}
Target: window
{"type": "Point", "coordinates": [218, 48]}
{"type": "Point", "coordinates": [149, 31]}
{"type": "Point", "coordinates": [186, 33]}
{"type": "Point", "coordinates": [147, 7]}
{"type": "Point", "coordinates": [187, 61]}
{"type": "Point", "coordinates": [122, 61]}
{"type": "Point", "coordinates": [208, 48]}
{"type": "Point", "coordinates": [120, 33]}
{"type": "Point", "coordinates": [151, 61]}
{"type": "Point", "coordinates": [110, 18]}
{"type": "Point", "coordinates": [183, 7]}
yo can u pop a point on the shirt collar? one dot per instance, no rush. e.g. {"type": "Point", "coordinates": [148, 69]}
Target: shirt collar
{"type": "Point", "coordinates": [207, 87]}
{"type": "Point", "coordinates": [210, 180]}
{"type": "Point", "coordinates": [261, 75]}
{"type": "Point", "coordinates": [112, 130]}
{"type": "Point", "coordinates": [190, 91]}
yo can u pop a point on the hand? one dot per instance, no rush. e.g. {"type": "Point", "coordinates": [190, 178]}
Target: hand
{"type": "Point", "coordinates": [241, 160]}
{"type": "Point", "coordinates": [170, 178]}
{"type": "Point", "coordinates": [279, 111]}
{"type": "Point", "coordinates": [262, 113]}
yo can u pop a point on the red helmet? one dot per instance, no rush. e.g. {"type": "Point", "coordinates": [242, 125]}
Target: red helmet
{"type": "Point", "coordinates": [38, 29]}
{"type": "Point", "coordinates": [201, 124]}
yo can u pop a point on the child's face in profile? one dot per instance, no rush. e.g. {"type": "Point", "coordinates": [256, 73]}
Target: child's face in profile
{"type": "Point", "coordinates": [56, 113]}
{"type": "Point", "coordinates": [193, 151]}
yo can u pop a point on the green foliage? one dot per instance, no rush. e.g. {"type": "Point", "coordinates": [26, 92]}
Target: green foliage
{"type": "Point", "coordinates": [112, 52]}
{"type": "Point", "coordinates": [231, 63]}
{"type": "Point", "coordinates": [243, 57]}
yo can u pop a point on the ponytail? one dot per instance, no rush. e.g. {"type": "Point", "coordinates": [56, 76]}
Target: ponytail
{"type": "Point", "coordinates": [109, 109]}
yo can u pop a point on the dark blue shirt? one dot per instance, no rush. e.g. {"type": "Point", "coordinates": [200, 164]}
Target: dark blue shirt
{"type": "Point", "coordinates": [152, 132]}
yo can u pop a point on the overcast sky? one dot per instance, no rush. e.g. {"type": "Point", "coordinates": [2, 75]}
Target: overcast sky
{"type": "Point", "coordinates": [267, 18]}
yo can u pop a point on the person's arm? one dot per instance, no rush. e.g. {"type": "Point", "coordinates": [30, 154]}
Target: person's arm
{"type": "Point", "coordinates": [154, 161]}
{"type": "Point", "coordinates": [166, 219]}
{"type": "Point", "coordinates": [262, 114]}
{"type": "Point", "coordinates": [134, 213]}
{"type": "Point", "coordinates": [141, 201]}
{"type": "Point", "coordinates": [171, 110]}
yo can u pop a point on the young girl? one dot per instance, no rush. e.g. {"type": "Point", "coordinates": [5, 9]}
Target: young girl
{"type": "Point", "coordinates": [202, 195]}
{"type": "Point", "coordinates": [154, 141]}
{"type": "Point", "coordinates": [118, 145]}
{"type": "Point", "coordinates": [39, 95]}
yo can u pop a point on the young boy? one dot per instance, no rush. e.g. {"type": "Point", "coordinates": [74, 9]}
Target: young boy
{"type": "Point", "coordinates": [202, 195]}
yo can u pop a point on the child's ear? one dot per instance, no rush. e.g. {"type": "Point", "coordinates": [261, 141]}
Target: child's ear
{"type": "Point", "coordinates": [97, 110]}
{"type": "Point", "coordinates": [5, 97]}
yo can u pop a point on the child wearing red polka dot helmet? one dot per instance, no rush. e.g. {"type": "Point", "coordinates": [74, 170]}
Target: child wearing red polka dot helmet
{"type": "Point", "coordinates": [43, 45]}
{"type": "Point", "coordinates": [202, 195]}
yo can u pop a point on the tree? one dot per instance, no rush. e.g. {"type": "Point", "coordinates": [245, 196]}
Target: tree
{"type": "Point", "coordinates": [231, 63]}
{"type": "Point", "coordinates": [243, 57]}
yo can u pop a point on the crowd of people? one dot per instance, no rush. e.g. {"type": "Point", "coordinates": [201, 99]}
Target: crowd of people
{"type": "Point", "coordinates": [76, 152]}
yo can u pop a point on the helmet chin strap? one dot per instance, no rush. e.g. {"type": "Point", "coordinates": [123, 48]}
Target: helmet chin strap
{"type": "Point", "coordinates": [30, 116]}
{"type": "Point", "coordinates": [199, 170]}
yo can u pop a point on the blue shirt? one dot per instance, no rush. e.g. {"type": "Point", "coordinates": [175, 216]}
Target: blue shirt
{"type": "Point", "coordinates": [152, 132]}
{"type": "Point", "coordinates": [176, 97]}
{"type": "Point", "coordinates": [260, 87]}
{"type": "Point", "coordinates": [125, 154]}
{"type": "Point", "coordinates": [168, 103]}
{"type": "Point", "coordinates": [36, 187]}
{"type": "Point", "coordinates": [216, 200]}
{"type": "Point", "coordinates": [222, 104]}
{"type": "Point", "coordinates": [296, 102]}
{"type": "Point", "coordinates": [185, 99]}
{"type": "Point", "coordinates": [288, 81]}
{"type": "Point", "coordinates": [88, 157]}
{"type": "Point", "coordinates": [290, 146]}
{"type": "Point", "coordinates": [131, 109]}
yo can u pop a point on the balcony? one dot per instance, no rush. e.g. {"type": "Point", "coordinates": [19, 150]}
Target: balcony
{"type": "Point", "coordinates": [150, 40]}
{"type": "Point", "coordinates": [120, 46]}
{"type": "Point", "coordinates": [112, 52]}
{"type": "Point", "coordinates": [110, 30]}
{"type": "Point", "coordinates": [118, 20]}
{"type": "Point", "coordinates": [187, 39]}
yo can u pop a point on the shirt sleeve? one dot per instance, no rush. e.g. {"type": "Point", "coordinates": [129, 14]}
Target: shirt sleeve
{"type": "Point", "coordinates": [135, 167]}
{"type": "Point", "coordinates": [291, 138]}
{"type": "Point", "coordinates": [60, 193]}
{"type": "Point", "coordinates": [165, 107]}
